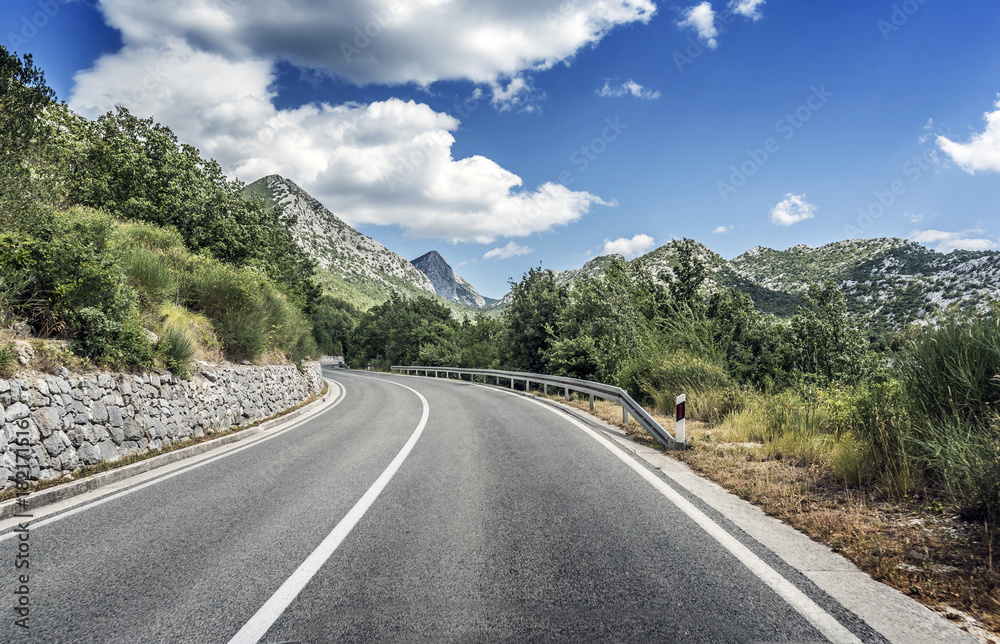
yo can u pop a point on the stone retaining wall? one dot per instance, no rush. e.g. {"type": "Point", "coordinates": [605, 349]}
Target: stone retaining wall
{"type": "Point", "coordinates": [55, 424]}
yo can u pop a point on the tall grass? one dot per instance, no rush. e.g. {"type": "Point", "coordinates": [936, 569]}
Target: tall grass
{"type": "Point", "coordinates": [177, 348]}
{"type": "Point", "coordinates": [147, 273]}
{"type": "Point", "coordinates": [949, 425]}
{"type": "Point", "coordinates": [249, 314]}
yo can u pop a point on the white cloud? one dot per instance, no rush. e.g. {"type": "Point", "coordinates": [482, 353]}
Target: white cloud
{"type": "Point", "coordinates": [944, 242]}
{"type": "Point", "coordinates": [721, 230]}
{"type": "Point", "coordinates": [791, 210]}
{"type": "Point", "coordinates": [388, 162]}
{"type": "Point", "coordinates": [518, 94]}
{"type": "Point", "coordinates": [747, 8]}
{"type": "Point", "coordinates": [385, 42]}
{"type": "Point", "coordinates": [701, 18]}
{"type": "Point", "coordinates": [982, 152]}
{"type": "Point", "coordinates": [506, 252]}
{"type": "Point", "coordinates": [628, 247]}
{"type": "Point", "coordinates": [630, 88]}
{"type": "Point", "coordinates": [914, 218]}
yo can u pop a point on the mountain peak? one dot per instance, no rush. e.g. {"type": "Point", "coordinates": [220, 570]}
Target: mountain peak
{"type": "Point", "coordinates": [447, 283]}
{"type": "Point", "coordinates": [432, 256]}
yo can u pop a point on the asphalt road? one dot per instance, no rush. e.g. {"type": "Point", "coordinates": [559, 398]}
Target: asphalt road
{"type": "Point", "coordinates": [497, 521]}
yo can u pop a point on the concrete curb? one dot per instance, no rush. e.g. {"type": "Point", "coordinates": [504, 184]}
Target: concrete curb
{"type": "Point", "coordinates": [68, 490]}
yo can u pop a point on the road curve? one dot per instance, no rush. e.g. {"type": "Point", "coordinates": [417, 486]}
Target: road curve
{"type": "Point", "coordinates": [414, 510]}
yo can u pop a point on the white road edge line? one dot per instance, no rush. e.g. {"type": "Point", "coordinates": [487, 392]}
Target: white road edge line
{"type": "Point", "coordinates": [814, 614]}
{"type": "Point", "coordinates": [167, 477]}
{"type": "Point", "coordinates": [263, 619]}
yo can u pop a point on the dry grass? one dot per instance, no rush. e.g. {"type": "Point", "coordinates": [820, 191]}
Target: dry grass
{"type": "Point", "coordinates": [915, 543]}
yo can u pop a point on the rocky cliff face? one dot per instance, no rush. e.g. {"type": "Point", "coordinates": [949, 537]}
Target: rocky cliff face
{"type": "Point", "coordinates": [447, 283]}
{"type": "Point", "coordinates": [352, 264]}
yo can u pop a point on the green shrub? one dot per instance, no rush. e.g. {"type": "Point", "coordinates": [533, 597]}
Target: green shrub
{"type": "Point", "coordinates": [176, 348]}
{"type": "Point", "coordinates": [8, 360]}
{"type": "Point", "coordinates": [157, 238]}
{"type": "Point", "coordinates": [679, 372]}
{"type": "Point", "coordinates": [149, 275]}
{"type": "Point", "coordinates": [952, 372]}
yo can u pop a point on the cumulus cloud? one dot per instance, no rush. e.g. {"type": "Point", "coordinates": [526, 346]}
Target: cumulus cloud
{"type": "Point", "coordinates": [388, 162]}
{"type": "Point", "coordinates": [721, 230]}
{"type": "Point", "coordinates": [393, 42]}
{"type": "Point", "coordinates": [701, 18]}
{"type": "Point", "coordinates": [791, 210]}
{"type": "Point", "coordinates": [747, 8]}
{"type": "Point", "coordinates": [506, 252]}
{"type": "Point", "coordinates": [628, 247]}
{"type": "Point", "coordinates": [982, 152]}
{"type": "Point", "coordinates": [945, 242]}
{"type": "Point", "coordinates": [630, 88]}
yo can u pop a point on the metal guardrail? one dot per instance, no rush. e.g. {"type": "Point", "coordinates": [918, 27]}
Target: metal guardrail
{"type": "Point", "coordinates": [594, 389]}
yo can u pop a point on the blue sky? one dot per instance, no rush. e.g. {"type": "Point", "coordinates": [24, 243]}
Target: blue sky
{"type": "Point", "coordinates": [511, 134]}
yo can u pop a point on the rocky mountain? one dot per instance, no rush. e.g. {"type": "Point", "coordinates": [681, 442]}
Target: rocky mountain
{"type": "Point", "coordinates": [887, 283]}
{"type": "Point", "coordinates": [447, 283]}
{"type": "Point", "coordinates": [352, 266]}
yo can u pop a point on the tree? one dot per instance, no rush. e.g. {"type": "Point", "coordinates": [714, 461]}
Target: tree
{"type": "Point", "coordinates": [689, 273]}
{"type": "Point", "coordinates": [537, 302]}
{"type": "Point", "coordinates": [333, 322]}
{"type": "Point", "coordinates": [602, 326]}
{"type": "Point", "coordinates": [24, 132]}
{"type": "Point", "coordinates": [827, 345]}
{"type": "Point", "coordinates": [478, 342]}
{"type": "Point", "coordinates": [402, 330]}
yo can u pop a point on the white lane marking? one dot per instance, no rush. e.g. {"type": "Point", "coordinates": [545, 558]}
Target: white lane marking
{"type": "Point", "coordinates": [167, 477]}
{"type": "Point", "coordinates": [263, 619]}
{"type": "Point", "coordinates": [814, 614]}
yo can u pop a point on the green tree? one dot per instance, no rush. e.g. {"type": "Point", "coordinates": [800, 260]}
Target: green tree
{"type": "Point", "coordinates": [827, 345]}
{"type": "Point", "coordinates": [24, 132]}
{"type": "Point", "coordinates": [602, 325]}
{"type": "Point", "coordinates": [402, 330]}
{"type": "Point", "coordinates": [689, 273]}
{"type": "Point", "coordinates": [333, 322]}
{"type": "Point", "coordinates": [756, 350]}
{"type": "Point", "coordinates": [479, 338]}
{"type": "Point", "coordinates": [536, 304]}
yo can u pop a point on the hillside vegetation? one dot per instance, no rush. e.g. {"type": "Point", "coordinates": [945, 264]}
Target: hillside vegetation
{"type": "Point", "coordinates": [126, 248]}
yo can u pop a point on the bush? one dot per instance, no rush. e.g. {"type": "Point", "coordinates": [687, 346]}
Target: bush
{"type": "Point", "coordinates": [149, 275]}
{"type": "Point", "coordinates": [176, 348]}
{"type": "Point", "coordinates": [950, 373]}
{"type": "Point", "coordinates": [8, 360]}
{"type": "Point", "coordinates": [664, 376]}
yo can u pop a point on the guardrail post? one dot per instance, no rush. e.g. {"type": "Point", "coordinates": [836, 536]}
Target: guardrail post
{"type": "Point", "coordinates": [511, 383]}
{"type": "Point", "coordinates": [545, 388]}
{"type": "Point", "coordinates": [567, 393]}
{"type": "Point", "coordinates": [591, 402]}
{"type": "Point", "coordinates": [679, 430]}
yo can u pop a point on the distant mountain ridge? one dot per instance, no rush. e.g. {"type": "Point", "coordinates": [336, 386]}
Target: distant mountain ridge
{"type": "Point", "coordinates": [447, 283]}
{"type": "Point", "coordinates": [887, 282]}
